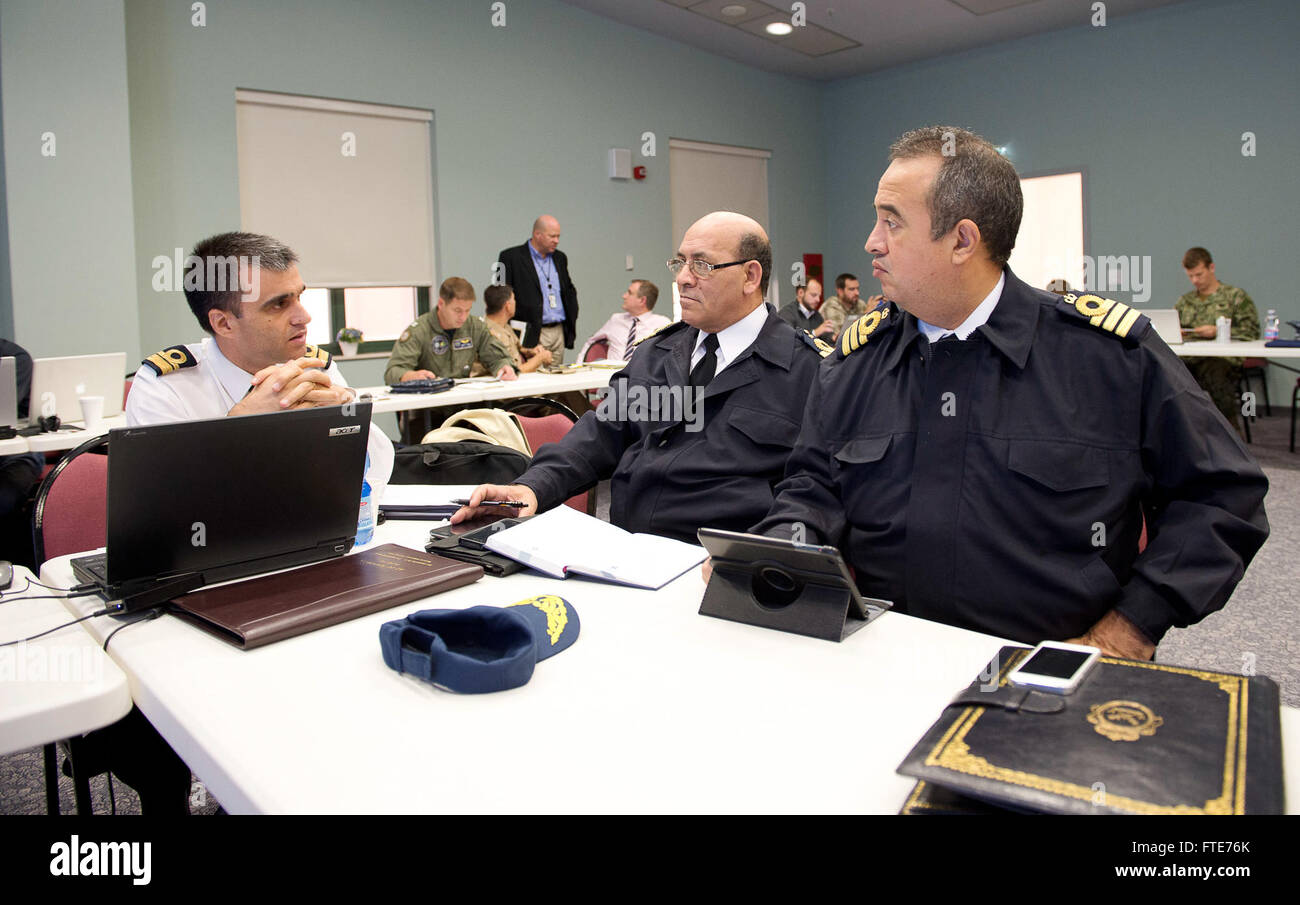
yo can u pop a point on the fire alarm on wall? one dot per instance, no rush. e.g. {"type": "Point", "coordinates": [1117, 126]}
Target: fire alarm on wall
{"type": "Point", "coordinates": [638, 172]}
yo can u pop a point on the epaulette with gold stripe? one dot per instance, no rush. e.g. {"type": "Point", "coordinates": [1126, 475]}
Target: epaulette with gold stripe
{"type": "Point", "coordinates": [671, 325]}
{"type": "Point", "coordinates": [170, 360]}
{"type": "Point", "coordinates": [818, 345]}
{"type": "Point", "coordinates": [318, 352]}
{"type": "Point", "coordinates": [855, 335]}
{"type": "Point", "coordinates": [1109, 315]}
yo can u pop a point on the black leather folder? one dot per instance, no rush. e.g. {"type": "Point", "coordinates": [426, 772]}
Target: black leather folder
{"type": "Point", "coordinates": [1135, 738]}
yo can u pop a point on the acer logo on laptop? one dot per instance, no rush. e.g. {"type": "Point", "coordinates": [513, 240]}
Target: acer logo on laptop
{"type": "Point", "coordinates": [344, 431]}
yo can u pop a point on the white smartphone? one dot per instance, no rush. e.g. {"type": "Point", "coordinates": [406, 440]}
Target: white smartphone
{"type": "Point", "coordinates": [1055, 667]}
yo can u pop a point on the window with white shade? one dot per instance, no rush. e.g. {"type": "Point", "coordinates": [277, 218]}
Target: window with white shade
{"type": "Point", "coordinates": [348, 186]}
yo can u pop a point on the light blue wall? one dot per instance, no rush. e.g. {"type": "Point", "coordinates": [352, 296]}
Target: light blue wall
{"type": "Point", "coordinates": [72, 287]}
{"type": "Point", "coordinates": [1153, 106]}
{"type": "Point", "coordinates": [523, 119]}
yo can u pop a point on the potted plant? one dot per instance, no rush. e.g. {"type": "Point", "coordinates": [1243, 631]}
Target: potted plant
{"type": "Point", "coordinates": [349, 338]}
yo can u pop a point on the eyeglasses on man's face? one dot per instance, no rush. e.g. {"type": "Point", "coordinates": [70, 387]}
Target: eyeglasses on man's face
{"type": "Point", "coordinates": [700, 268]}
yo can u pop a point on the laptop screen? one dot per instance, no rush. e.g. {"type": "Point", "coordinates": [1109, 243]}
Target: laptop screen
{"type": "Point", "coordinates": [1165, 321]}
{"type": "Point", "coordinates": [59, 383]}
{"type": "Point", "coordinates": [229, 497]}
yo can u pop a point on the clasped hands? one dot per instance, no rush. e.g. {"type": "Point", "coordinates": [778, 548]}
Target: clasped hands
{"type": "Point", "coordinates": [301, 383]}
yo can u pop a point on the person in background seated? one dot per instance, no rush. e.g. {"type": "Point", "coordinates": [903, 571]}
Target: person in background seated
{"type": "Point", "coordinates": [500, 304]}
{"type": "Point", "coordinates": [847, 303]}
{"type": "Point", "coordinates": [696, 429]}
{"type": "Point", "coordinates": [1198, 311]}
{"type": "Point", "coordinates": [634, 323]}
{"type": "Point", "coordinates": [804, 313]}
{"type": "Point", "coordinates": [447, 341]}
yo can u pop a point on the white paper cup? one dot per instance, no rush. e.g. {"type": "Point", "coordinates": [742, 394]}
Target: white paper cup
{"type": "Point", "coordinates": [92, 412]}
{"type": "Point", "coordinates": [1224, 327]}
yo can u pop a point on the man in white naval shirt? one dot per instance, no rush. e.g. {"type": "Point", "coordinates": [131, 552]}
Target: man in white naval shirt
{"type": "Point", "coordinates": [634, 323]}
{"type": "Point", "coordinates": [256, 358]}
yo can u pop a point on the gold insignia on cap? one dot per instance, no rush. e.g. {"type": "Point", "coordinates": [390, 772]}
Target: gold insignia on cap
{"type": "Point", "coordinates": [1124, 721]}
{"type": "Point", "coordinates": [556, 610]}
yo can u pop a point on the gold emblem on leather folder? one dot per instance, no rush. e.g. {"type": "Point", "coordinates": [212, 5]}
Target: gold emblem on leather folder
{"type": "Point", "coordinates": [1124, 721]}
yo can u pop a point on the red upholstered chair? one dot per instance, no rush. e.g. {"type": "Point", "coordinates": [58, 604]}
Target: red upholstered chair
{"type": "Point", "coordinates": [126, 392]}
{"type": "Point", "coordinates": [549, 429]}
{"type": "Point", "coordinates": [546, 421]}
{"type": "Point", "coordinates": [595, 352]}
{"type": "Point", "coordinates": [71, 513]}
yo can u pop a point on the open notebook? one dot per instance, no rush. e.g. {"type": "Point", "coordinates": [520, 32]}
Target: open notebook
{"type": "Point", "coordinates": [566, 542]}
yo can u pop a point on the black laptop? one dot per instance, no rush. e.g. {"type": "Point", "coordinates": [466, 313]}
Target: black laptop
{"type": "Point", "coordinates": [199, 502]}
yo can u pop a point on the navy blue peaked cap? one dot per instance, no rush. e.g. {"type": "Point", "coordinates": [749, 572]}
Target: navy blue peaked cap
{"type": "Point", "coordinates": [480, 649]}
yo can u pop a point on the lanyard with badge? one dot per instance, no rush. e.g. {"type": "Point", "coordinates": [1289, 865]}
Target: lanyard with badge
{"type": "Point", "coordinates": [550, 293]}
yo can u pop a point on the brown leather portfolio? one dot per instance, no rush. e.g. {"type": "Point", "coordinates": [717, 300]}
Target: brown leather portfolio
{"type": "Point", "coordinates": [264, 610]}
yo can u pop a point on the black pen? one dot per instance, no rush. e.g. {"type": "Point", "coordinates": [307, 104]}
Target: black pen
{"type": "Point", "coordinates": [509, 504]}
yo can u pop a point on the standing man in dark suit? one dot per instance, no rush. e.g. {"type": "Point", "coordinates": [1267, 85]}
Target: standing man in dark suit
{"type": "Point", "coordinates": [545, 298]}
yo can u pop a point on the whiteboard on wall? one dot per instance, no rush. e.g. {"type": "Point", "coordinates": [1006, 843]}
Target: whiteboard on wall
{"type": "Point", "coordinates": [1050, 243]}
{"type": "Point", "coordinates": [706, 177]}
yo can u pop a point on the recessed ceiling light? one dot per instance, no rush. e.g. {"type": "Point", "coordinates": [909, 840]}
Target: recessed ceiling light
{"type": "Point", "coordinates": [733, 11]}
{"type": "Point", "coordinates": [780, 29]}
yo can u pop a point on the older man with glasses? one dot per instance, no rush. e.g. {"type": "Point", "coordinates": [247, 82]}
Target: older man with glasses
{"type": "Point", "coordinates": [696, 430]}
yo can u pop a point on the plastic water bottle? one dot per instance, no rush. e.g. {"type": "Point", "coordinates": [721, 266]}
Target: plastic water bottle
{"type": "Point", "coordinates": [366, 523]}
{"type": "Point", "coordinates": [1271, 323]}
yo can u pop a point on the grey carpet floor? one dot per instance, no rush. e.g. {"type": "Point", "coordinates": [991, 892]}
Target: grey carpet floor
{"type": "Point", "coordinates": [1257, 632]}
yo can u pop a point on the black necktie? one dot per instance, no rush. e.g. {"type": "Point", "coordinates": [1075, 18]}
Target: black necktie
{"type": "Point", "coordinates": [703, 372]}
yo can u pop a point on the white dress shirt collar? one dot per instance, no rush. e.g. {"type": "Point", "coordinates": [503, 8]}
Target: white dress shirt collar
{"type": "Point", "coordinates": [977, 318]}
{"type": "Point", "coordinates": [733, 340]}
{"type": "Point", "coordinates": [234, 380]}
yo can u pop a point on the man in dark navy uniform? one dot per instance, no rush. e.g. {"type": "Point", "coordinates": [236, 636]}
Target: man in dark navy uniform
{"type": "Point", "coordinates": [696, 430]}
{"type": "Point", "coordinates": [985, 453]}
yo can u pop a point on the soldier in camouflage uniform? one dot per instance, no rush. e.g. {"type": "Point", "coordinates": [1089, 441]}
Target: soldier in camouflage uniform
{"type": "Point", "coordinates": [1197, 311]}
{"type": "Point", "coordinates": [846, 304]}
{"type": "Point", "coordinates": [447, 341]}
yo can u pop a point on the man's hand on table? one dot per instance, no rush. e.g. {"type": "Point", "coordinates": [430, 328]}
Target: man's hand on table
{"type": "Point", "coordinates": [507, 373]}
{"type": "Point", "coordinates": [1206, 331]}
{"type": "Point", "coordinates": [496, 492]}
{"type": "Point", "coordinates": [1117, 637]}
{"type": "Point", "coordinates": [301, 383]}
{"type": "Point", "coordinates": [421, 374]}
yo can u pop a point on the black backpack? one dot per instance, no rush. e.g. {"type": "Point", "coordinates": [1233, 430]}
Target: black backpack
{"type": "Point", "coordinates": [466, 462]}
